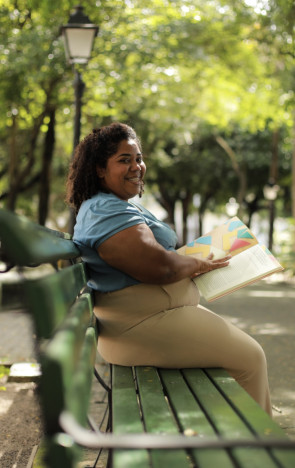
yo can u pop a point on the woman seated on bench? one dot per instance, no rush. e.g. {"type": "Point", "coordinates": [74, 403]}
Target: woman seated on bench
{"type": "Point", "coordinates": [146, 302]}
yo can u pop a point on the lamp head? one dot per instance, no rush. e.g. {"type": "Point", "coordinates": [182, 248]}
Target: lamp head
{"type": "Point", "coordinates": [270, 190]}
{"type": "Point", "coordinates": [79, 35]}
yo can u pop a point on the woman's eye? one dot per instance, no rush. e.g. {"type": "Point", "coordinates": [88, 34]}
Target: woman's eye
{"type": "Point", "coordinates": [139, 160]}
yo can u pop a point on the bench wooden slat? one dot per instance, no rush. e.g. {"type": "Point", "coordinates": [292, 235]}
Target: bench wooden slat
{"type": "Point", "coordinates": [158, 417]}
{"type": "Point", "coordinates": [258, 419]}
{"type": "Point", "coordinates": [27, 243]}
{"type": "Point", "coordinates": [60, 361]}
{"type": "Point", "coordinates": [191, 418]}
{"type": "Point", "coordinates": [60, 449]}
{"type": "Point", "coordinates": [126, 418]}
{"type": "Point", "coordinates": [286, 458]}
{"type": "Point", "coordinates": [260, 422]}
{"type": "Point", "coordinates": [79, 394]}
{"type": "Point", "coordinates": [50, 297]}
{"type": "Point", "coordinates": [226, 420]}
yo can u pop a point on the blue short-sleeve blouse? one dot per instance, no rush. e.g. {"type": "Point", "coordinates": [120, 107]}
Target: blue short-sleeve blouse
{"type": "Point", "coordinates": [101, 217]}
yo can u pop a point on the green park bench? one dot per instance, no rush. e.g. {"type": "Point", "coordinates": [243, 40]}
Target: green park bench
{"type": "Point", "coordinates": [161, 418]}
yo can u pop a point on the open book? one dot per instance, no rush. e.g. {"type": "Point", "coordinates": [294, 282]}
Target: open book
{"type": "Point", "coordinates": [250, 260]}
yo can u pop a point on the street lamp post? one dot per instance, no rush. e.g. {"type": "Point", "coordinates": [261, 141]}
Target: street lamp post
{"type": "Point", "coordinates": [79, 86]}
{"type": "Point", "coordinates": [78, 35]}
{"type": "Point", "coordinates": [270, 192]}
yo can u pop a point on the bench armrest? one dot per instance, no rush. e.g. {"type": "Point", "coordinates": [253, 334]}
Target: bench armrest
{"type": "Point", "coordinates": [96, 440]}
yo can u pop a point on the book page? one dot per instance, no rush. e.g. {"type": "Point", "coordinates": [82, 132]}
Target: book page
{"type": "Point", "coordinates": [251, 264]}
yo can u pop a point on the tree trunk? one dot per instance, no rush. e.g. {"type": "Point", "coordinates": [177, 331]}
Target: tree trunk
{"type": "Point", "coordinates": [273, 177]}
{"type": "Point", "coordinates": [240, 171]}
{"type": "Point", "coordinates": [44, 190]}
{"type": "Point", "coordinates": [13, 167]}
{"type": "Point", "coordinates": [185, 203]}
{"type": "Point", "coordinates": [293, 173]}
{"type": "Point", "coordinates": [18, 174]}
{"type": "Point", "coordinates": [273, 172]}
{"type": "Point", "coordinates": [252, 207]}
{"type": "Point", "coordinates": [168, 203]}
{"type": "Point", "coordinates": [202, 210]}
{"type": "Point", "coordinates": [293, 185]}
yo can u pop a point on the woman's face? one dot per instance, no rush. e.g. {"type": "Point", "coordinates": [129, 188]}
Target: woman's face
{"type": "Point", "coordinates": [124, 171]}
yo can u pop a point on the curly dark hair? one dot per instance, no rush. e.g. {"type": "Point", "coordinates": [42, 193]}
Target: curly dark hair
{"type": "Point", "coordinates": [93, 152]}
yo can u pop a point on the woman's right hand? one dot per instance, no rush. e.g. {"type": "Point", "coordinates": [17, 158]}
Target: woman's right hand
{"type": "Point", "coordinates": [209, 264]}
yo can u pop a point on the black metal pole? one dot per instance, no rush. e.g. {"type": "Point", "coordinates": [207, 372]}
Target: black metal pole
{"type": "Point", "coordinates": [271, 223]}
{"type": "Point", "coordinates": [79, 87]}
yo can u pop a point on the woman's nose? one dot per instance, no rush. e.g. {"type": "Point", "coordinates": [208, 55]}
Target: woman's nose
{"type": "Point", "coordinates": [135, 166]}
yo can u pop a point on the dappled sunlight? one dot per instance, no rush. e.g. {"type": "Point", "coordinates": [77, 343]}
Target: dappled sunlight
{"type": "Point", "coordinates": [271, 329]}
{"type": "Point", "coordinates": [283, 402]}
{"type": "Point", "coordinates": [286, 394]}
{"type": "Point", "coordinates": [238, 322]}
{"type": "Point", "coordinates": [5, 406]}
{"type": "Point", "coordinates": [266, 312]}
{"type": "Point", "coordinates": [274, 294]}
{"type": "Point", "coordinates": [6, 402]}
{"type": "Point", "coordinates": [282, 410]}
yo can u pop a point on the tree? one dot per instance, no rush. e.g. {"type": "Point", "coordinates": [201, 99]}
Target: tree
{"type": "Point", "coordinates": [159, 65]}
{"type": "Point", "coordinates": [29, 95]}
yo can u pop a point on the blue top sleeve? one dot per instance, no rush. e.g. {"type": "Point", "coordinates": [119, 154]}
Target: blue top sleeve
{"type": "Point", "coordinates": [100, 218]}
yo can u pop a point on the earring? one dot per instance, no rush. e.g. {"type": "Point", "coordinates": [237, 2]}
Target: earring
{"type": "Point", "coordinates": [141, 189]}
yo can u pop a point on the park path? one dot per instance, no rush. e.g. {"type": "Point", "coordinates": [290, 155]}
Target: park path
{"type": "Point", "coordinates": [266, 310]}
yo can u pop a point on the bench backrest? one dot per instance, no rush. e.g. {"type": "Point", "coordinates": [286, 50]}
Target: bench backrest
{"type": "Point", "coordinates": [62, 309]}
{"type": "Point", "coordinates": [67, 362]}
{"type": "Point", "coordinates": [56, 292]}
{"type": "Point", "coordinates": [26, 243]}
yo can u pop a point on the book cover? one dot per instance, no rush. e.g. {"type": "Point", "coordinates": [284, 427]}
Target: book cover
{"type": "Point", "coordinates": [232, 237]}
{"type": "Point", "coordinates": [250, 261]}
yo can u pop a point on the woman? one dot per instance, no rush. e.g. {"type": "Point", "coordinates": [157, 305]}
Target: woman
{"type": "Point", "coordinates": [146, 302]}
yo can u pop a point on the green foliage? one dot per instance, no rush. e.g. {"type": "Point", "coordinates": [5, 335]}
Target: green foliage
{"type": "Point", "coordinates": [181, 72]}
{"type": "Point", "coordinates": [4, 370]}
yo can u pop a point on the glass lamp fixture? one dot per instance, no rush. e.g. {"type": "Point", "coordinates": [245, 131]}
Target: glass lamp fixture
{"type": "Point", "coordinates": [270, 191]}
{"type": "Point", "coordinates": [79, 35]}
{"type": "Point", "coordinates": [232, 207]}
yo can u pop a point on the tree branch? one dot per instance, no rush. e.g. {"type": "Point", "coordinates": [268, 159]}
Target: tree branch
{"type": "Point", "coordinates": [24, 187]}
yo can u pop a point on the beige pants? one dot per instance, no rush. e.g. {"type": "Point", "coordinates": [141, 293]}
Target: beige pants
{"type": "Point", "coordinates": [164, 326]}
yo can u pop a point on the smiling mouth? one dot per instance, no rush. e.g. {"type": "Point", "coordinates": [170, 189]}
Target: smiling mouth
{"type": "Point", "coordinates": [134, 180]}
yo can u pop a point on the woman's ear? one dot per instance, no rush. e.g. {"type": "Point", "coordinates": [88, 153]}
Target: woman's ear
{"type": "Point", "coordinates": [100, 171]}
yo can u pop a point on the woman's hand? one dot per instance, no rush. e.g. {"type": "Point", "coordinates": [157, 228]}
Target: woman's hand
{"type": "Point", "coordinates": [209, 264]}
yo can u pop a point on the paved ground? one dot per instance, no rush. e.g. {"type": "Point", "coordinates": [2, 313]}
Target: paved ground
{"type": "Point", "coordinates": [265, 310]}
{"type": "Point", "coordinates": [20, 414]}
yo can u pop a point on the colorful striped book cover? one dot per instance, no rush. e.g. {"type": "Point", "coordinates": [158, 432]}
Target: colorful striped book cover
{"type": "Point", "coordinates": [232, 237]}
{"type": "Point", "coordinates": [250, 260]}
